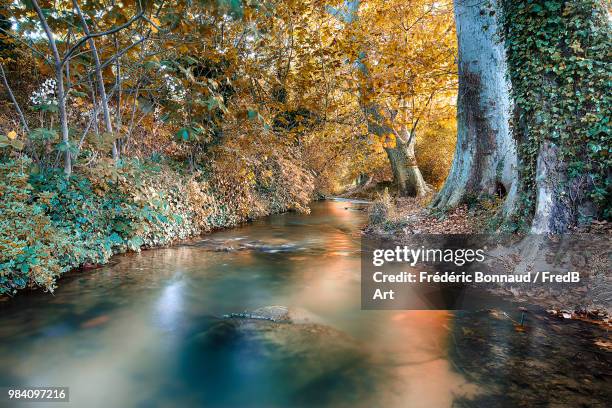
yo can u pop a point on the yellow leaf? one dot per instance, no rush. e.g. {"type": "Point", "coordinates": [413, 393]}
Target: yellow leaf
{"type": "Point", "coordinates": [154, 24]}
{"type": "Point", "coordinates": [12, 135]}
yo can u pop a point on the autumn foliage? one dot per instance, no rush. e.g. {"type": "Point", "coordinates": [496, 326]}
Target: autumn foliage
{"type": "Point", "coordinates": [137, 123]}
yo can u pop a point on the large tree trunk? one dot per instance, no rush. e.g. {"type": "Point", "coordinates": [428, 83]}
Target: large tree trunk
{"type": "Point", "coordinates": [561, 202]}
{"type": "Point", "coordinates": [553, 211]}
{"type": "Point", "coordinates": [559, 120]}
{"type": "Point", "coordinates": [485, 156]}
{"type": "Point", "coordinates": [406, 173]}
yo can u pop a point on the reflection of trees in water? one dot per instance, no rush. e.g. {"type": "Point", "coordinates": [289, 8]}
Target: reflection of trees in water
{"type": "Point", "coordinates": [550, 362]}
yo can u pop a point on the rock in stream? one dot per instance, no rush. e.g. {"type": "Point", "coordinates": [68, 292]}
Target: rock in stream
{"type": "Point", "coordinates": [275, 346]}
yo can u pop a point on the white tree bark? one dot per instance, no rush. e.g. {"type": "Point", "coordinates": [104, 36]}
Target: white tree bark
{"type": "Point", "coordinates": [99, 78]}
{"type": "Point", "coordinates": [561, 202]}
{"type": "Point", "coordinates": [61, 94]}
{"type": "Point", "coordinates": [485, 157]}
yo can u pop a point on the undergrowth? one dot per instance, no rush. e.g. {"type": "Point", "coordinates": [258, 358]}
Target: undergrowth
{"type": "Point", "coordinates": [50, 224]}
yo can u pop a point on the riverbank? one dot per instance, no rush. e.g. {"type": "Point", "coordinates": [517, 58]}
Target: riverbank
{"type": "Point", "coordinates": [173, 316]}
{"type": "Point", "coordinates": [50, 224]}
{"type": "Point", "coordinates": [399, 219]}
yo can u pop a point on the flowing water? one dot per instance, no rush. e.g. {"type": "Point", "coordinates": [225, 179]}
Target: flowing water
{"type": "Point", "coordinates": [149, 331]}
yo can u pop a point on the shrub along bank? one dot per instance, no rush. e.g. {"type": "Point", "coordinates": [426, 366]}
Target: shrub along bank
{"type": "Point", "coordinates": [50, 224]}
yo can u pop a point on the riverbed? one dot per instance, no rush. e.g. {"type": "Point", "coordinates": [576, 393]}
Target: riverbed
{"type": "Point", "coordinates": [149, 330]}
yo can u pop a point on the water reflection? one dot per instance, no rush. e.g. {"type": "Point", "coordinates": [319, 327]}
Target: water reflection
{"type": "Point", "coordinates": [170, 306]}
{"type": "Point", "coordinates": [148, 331]}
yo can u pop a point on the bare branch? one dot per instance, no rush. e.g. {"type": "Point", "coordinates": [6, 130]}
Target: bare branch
{"type": "Point", "coordinates": [12, 96]}
{"type": "Point", "coordinates": [90, 36]}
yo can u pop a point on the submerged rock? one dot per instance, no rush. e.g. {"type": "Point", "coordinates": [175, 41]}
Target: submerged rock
{"type": "Point", "coordinates": [277, 314]}
{"type": "Point", "coordinates": [239, 244]}
{"type": "Point", "coordinates": [272, 313]}
{"type": "Point", "coordinates": [305, 363]}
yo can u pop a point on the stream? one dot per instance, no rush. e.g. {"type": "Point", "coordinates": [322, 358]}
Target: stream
{"type": "Point", "coordinates": [149, 330]}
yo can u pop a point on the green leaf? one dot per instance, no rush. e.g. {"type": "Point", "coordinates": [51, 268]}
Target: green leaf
{"type": "Point", "coordinates": [115, 239]}
{"type": "Point", "coordinates": [17, 144]}
{"type": "Point", "coordinates": [42, 134]}
{"type": "Point", "coordinates": [183, 134]}
{"type": "Point", "coordinates": [14, 143]}
{"type": "Point", "coordinates": [135, 243]}
{"type": "Point", "coordinates": [65, 146]}
{"type": "Point", "coordinates": [47, 107]}
{"type": "Point", "coordinates": [78, 93]}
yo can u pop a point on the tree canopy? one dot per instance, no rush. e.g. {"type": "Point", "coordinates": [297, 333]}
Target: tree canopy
{"type": "Point", "coordinates": [199, 80]}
